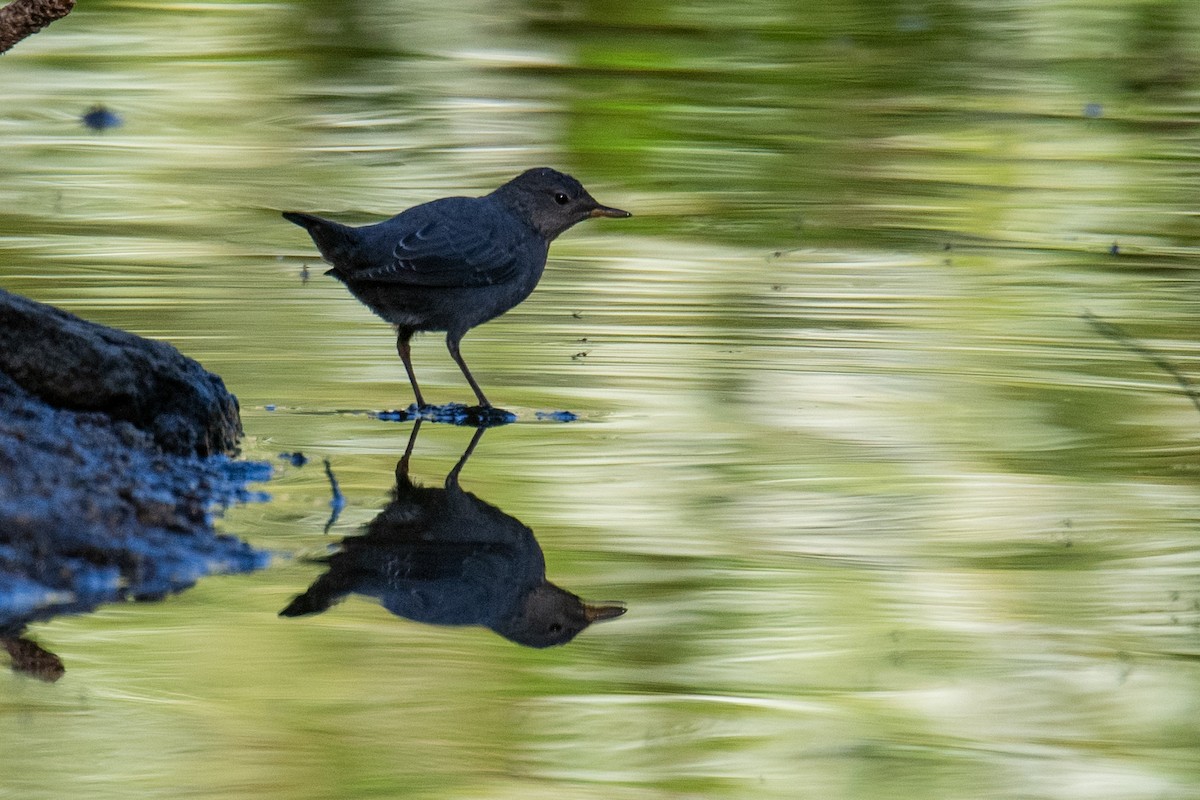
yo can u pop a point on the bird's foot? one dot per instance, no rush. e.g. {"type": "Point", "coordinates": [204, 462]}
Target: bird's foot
{"type": "Point", "coordinates": [483, 416]}
{"type": "Point", "coordinates": [451, 414]}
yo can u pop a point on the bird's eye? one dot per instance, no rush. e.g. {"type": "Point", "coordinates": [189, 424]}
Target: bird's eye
{"type": "Point", "coordinates": [561, 198]}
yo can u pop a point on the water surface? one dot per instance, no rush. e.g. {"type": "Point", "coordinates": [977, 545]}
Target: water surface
{"type": "Point", "coordinates": [891, 515]}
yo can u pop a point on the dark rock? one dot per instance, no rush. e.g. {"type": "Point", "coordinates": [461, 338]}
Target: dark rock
{"type": "Point", "coordinates": [92, 512]}
{"type": "Point", "coordinates": [77, 365]}
{"type": "Point", "coordinates": [112, 463]}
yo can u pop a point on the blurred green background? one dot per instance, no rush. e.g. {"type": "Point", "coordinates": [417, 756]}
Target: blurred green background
{"type": "Point", "coordinates": [891, 517]}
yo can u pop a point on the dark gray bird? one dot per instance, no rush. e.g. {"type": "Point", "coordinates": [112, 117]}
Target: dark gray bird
{"type": "Point", "coordinates": [454, 263]}
{"type": "Point", "coordinates": [445, 557]}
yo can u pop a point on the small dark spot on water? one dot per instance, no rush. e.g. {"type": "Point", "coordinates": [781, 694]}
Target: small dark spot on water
{"type": "Point", "coordinates": [101, 118]}
{"type": "Point", "coordinates": [782, 252]}
{"type": "Point", "coordinates": [1114, 250]}
{"type": "Point", "coordinates": [776, 287]}
{"type": "Point", "coordinates": [1063, 537]}
{"type": "Point", "coordinates": [269, 406]}
{"type": "Point", "coordinates": [556, 416]}
{"type": "Point", "coordinates": [577, 314]}
{"type": "Point", "coordinates": [1093, 111]}
{"type": "Point", "coordinates": [579, 355]}
{"type": "Point", "coordinates": [304, 275]}
{"type": "Point", "coordinates": [296, 459]}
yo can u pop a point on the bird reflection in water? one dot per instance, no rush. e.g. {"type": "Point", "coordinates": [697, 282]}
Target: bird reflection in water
{"type": "Point", "coordinates": [445, 557]}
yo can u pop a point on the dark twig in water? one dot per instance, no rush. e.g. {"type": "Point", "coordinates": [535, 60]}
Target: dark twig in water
{"type": "Point", "coordinates": [339, 500]}
{"type": "Point", "coordinates": [1118, 334]}
{"type": "Point", "coordinates": [22, 18]}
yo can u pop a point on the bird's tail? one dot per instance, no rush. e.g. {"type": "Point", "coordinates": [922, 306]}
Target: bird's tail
{"type": "Point", "coordinates": [337, 242]}
{"type": "Point", "coordinates": [308, 603]}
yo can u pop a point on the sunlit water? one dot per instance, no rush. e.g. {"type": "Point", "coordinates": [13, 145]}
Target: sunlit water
{"type": "Point", "coordinates": [892, 514]}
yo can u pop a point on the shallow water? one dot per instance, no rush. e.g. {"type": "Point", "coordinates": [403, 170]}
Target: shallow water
{"type": "Point", "coordinates": [894, 509]}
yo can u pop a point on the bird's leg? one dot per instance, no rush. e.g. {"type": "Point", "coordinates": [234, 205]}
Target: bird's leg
{"type": "Point", "coordinates": [452, 340]}
{"type": "Point", "coordinates": [452, 477]}
{"type": "Point", "coordinates": [403, 338]}
{"type": "Point", "coordinates": [402, 465]}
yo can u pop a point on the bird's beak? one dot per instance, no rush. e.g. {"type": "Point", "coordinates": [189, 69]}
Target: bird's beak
{"type": "Point", "coordinates": [607, 611]}
{"type": "Point", "coordinates": [607, 211]}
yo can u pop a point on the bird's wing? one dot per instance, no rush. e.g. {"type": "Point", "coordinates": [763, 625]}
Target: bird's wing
{"type": "Point", "coordinates": [443, 246]}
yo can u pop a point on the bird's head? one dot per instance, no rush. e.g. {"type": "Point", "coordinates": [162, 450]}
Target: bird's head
{"type": "Point", "coordinates": [549, 615]}
{"type": "Point", "coordinates": [552, 201]}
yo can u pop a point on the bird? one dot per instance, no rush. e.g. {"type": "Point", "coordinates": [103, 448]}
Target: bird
{"type": "Point", "coordinates": [443, 556]}
{"type": "Point", "coordinates": [454, 263]}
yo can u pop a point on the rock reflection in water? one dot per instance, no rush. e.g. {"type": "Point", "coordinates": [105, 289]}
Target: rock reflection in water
{"type": "Point", "coordinates": [445, 557]}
